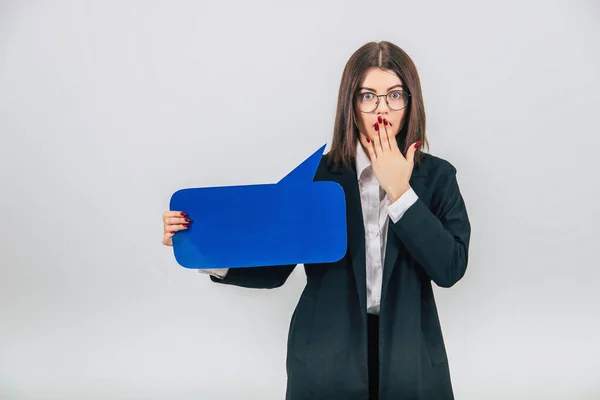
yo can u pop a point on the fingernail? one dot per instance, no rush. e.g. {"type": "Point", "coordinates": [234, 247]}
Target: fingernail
{"type": "Point", "coordinates": [376, 126]}
{"type": "Point", "coordinates": [417, 144]}
{"type": "Point", "coordinates": [186, 225]}
{"type": "Point", "coordinates": [173, 232]}
{"type": "Point", "coordinates": [379, 119]}
{"type": "Point", "coordinates": [188, 220]}
{"type": "Point", "coordinates": [385, 122]}
{"type": "Point", "coordinates": [183, 214]}
{"type": "Point", "coordinates": [368, 140]}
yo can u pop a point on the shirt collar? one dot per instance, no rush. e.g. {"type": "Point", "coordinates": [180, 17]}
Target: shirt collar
{"type": "Point", "coordinates": [362, 160]}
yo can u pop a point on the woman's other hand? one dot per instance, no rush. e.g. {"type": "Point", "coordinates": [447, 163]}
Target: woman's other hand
{"type": "Point", "coordinates": [392, 169]}
{"type": "Point", "coordinates": [173, 221]}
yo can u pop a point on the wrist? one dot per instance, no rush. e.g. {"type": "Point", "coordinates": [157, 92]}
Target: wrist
{"type": "Point", "coordinates": [396, 193]}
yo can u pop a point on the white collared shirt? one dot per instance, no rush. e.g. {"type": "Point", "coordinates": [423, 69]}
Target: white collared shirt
{"type": "Point", "coordinates": [375, 207]}
{"type": "Point", "coordinates": [375, 210]}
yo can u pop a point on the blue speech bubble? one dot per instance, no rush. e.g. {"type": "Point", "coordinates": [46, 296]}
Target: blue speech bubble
{"type": "Point", "coordinates": [295, 221]}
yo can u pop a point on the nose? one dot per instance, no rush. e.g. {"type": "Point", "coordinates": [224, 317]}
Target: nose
{"type": "Point", "coordinates": [383, 106]}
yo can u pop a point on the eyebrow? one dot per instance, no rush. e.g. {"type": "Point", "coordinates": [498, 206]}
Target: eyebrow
{"type": "Point", "coordinates": [373, 90]}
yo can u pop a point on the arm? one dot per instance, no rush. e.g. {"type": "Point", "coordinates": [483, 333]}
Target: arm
{"type": "Point", "coordinates": [438, 242]}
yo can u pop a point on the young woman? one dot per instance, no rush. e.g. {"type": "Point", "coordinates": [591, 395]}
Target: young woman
{"type": "Point", "coordinates": [366, 327]}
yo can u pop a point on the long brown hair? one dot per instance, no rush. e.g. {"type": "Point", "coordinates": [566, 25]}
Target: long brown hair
{"type": "Point", "coordinates": [388, 56]}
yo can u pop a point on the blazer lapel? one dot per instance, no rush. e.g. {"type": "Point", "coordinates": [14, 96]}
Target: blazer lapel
{"type": "Point", "coordinates": [356, 230]}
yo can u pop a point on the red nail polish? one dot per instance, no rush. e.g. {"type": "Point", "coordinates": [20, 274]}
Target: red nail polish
{"type": "Point", "coordinates": [385, 122]}
{"type": "Point", "coordinates": [188, 220]}
{"type": "Point", "coordinates": [376, 126]}
{"type": "Point", "coordinates": [186, 225]}
{"type": "Point", "coordinates": [173, 232]}
{"type": "Point", "coordinates": [379, 119]}
{"type": "Point", "coordinates": [183, 214]}
{"type": "Point", "coordinates": [368, 140]}
{"type": "Point", "coordinates": [417, 144]}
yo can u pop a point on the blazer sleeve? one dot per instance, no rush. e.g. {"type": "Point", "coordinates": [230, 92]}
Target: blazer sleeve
{"type": "Point", "coordinates": [438, 242]}
{"type": "Point", "coordinates": [256, 277]}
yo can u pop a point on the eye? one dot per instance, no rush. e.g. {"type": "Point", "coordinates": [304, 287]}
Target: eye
{"type": "Point", "coordinates": [395, 95]}
{"type": "Point", "coordinates": [366, 96]}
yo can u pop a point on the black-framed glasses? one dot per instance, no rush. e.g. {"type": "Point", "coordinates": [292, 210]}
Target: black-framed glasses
{"type": "Point", "coordinates": [369, 101]}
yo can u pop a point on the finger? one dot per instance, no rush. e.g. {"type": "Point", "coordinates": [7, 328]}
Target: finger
{"type": "Point", "coordinates": [385, 138]}
{"type": "Point", "coordinates": [377, 140]}
{"type": "Point", "coordinates": [373, 153]}
{"type": "Point", "coordinates": [393, 140]}
{"type": "Point", "coordinates": [369, 148]}
{"type": "Point", "coordinates": [177, 221]}
{"type": "Point", "coordinates": [174, 224]}
{"type": "Point", "coordinates": [168, 214]}
{"type": "Point", "coordinates": [410, 154]}
{"type": "Point", "coordinates": [176, 228]}
{"type": "Point", "coordinates": [395, 146]}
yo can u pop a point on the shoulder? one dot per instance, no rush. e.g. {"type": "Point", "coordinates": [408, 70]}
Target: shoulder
{"type": "Point", "coordinates": [434, 167]}
{"type": "Point", "coordinates": [435, 181]}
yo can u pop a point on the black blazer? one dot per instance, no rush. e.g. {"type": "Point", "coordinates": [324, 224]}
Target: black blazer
{"type": "Point", "coordinates": [327, 341]}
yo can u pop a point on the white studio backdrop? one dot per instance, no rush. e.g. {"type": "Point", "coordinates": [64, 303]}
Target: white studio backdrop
{"type": "Point", "coordinates": [107, 108]}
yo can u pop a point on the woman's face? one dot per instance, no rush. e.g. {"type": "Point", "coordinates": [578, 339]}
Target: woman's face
{"type": "Point", "coordinates": [379, 82]}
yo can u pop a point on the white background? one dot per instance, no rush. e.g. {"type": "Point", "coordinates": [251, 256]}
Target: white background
{"type": "Point", "coordinates": [108, 107]}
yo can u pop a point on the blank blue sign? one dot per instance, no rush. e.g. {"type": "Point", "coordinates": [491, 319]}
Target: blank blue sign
{"type": "Point", "coordinates": [295, 221]}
